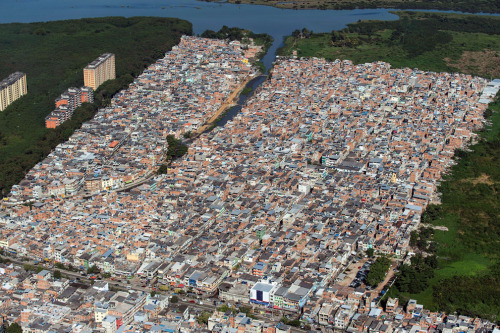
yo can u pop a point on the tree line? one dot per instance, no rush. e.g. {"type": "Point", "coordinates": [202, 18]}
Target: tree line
{"type": "Point", "coordinates": [469, 204]}
{"type": "Point", "coordinates": [378, 271]}
{"type": "Point", "coordinates": [239, 34]}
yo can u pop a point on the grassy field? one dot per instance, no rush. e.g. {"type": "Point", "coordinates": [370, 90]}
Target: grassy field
{"type": "Point", "coordinates": [472, 52]}
{"type": "Point", "coordinates": [474, 6]}
{"type": "Point", "coordinates": [53, 55]}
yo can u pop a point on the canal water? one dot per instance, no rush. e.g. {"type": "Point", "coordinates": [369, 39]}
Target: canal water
{"type": "Point", "coordinates": [254, 84]}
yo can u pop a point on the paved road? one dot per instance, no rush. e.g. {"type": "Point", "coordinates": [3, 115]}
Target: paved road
{"type": "Point", "coordinates": [78, 275]}
{"type": "Point", "coordinates": [208, 306]}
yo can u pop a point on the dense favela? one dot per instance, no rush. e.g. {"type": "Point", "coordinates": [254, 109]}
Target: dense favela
{"type": "Point", "coordinates": [263, 224]}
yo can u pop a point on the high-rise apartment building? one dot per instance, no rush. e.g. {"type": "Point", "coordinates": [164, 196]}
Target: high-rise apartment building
{"type": "Point", "coordinates": [99, 70]}
{"type": "Point", "coordinates": [67, 103]}
{"type": "Point", "coordinates": [11, 88]}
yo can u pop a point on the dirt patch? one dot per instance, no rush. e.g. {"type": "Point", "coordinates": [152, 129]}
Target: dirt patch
{"type": "Point", "coordinates": [485, 63]}
{"type": "Point", "coordinates": [435, 227]}
{"type": "Point", "coordinates": [483, 179]}
{"type": "Point", "coordinates": [351, 272]}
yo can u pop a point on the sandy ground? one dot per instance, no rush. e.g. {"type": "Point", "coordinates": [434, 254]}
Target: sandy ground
{"type": "Point", "coordinates": [351, 272]}
{"type": "Point", "coordinates": [353, 269]}
{"type": "Point", "coordinates": [230, 101]}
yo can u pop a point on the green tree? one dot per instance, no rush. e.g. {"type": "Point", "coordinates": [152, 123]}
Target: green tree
{"type": "Point", "coordinates": [224, 308]}
{"type": "Point", "coordinates": [57, 274]}
{"type": "Point", "coordinates": [28, 267]}
{"type": "Point", "coordinates": [370, 252]}
{"type": "Point", "coordinates": [414, 278]}
{"type": "Point", "coordinates": [378, 270]}
{"type": "Point", "coordinates": [175, 149]}
{"type": "Point", "coordinates": [432, 213]}
{"type": "Point", "coordinates": [413, 238]}
{"type": "Point", "coordinates": [247, 311]}
{"type": "Point", "coordinates": [291, 322]}
{"type": "Point", "coordinates": [174, 299]}
{"type": "Point", "coordinates": [14, 328]}
{"type": "Point", "coordinates": [93, 270]}
{"type": "Point", "coordinates": [163, 170]}
{"type": "Point", "coordinates": [203, 318]}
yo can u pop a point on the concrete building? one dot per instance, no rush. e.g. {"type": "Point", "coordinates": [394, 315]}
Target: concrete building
{"type": "Point", "coordinates": [99, 71]}
{"type": "Point", "coordinates": [261, 292]}
{"type": "Point", "coordinates": [67, 103]}
{"type": "Point", "coordinates": [11, 88]}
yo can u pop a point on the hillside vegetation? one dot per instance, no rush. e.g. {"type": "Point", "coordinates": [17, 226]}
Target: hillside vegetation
{"type": "Point", "coordinates": [430, 41]}
{"type": "Point", "coordinates": [53, 55]}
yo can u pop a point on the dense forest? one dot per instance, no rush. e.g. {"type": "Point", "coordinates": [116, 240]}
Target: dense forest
{"type": "Point", "coordinates": [235, 33]}
{"type": "Point", "coordinates": [53, 55]}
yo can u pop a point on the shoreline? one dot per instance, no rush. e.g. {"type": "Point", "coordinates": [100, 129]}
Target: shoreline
{"type": "Point", "coordinates": [463, 8]}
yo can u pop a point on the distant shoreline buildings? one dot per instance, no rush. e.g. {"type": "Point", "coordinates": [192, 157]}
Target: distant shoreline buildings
{"type": "Point", "coordinates": [11, 88]}
{"type": "Point", "coordinates": [99, 71]}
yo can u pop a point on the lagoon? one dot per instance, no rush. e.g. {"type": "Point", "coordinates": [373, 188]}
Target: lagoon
{"type": "Point", "coordinates": [203, 15]}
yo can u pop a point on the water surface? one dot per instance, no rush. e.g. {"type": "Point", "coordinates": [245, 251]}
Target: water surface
{"type": "Point", "coordinates": [204, 15]}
